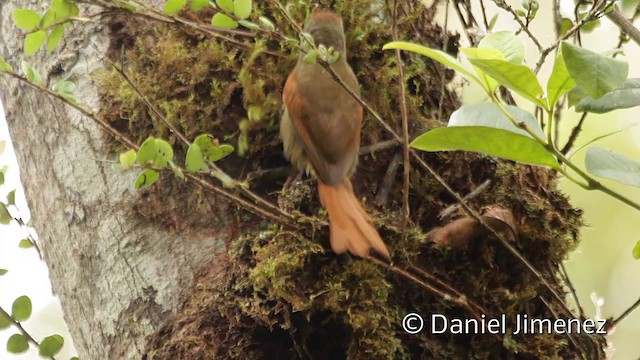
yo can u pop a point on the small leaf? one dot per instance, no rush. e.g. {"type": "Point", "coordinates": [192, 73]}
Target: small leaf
{"type": "Point", "coordinates": [3, 272]}
{"type": "Point", "coordinates": [26, 20]}
{"type": "Point", "coordinates": [127, 159]}
{"type": "Point", "coordinates": [434, 54]}
{"type": "Point", "coordinates": [4, 321]}
{"type": "Point", "coordinates": [165, 154]}
{"type": "Point", "coordinates": [487, 82]}
{"type": "Point", "coordinates": [17, 344]}
{"type": "Point", "coordinates": [560, 82]}
{"type": "Point", "coordinates": [492, 22]}
{"type": "Point", "coordinates": [33, 42]}
{"type": "Point", "coordinates": [507, 43]}
{"type": "Point", "coordinates": [490, 141]}
{"type": "Point", "coordinates": [611, 165]}
{"type": "Point", "coordinates": [626, 96]}
{"type": "Point", "coordinates": [594, 73]}
{"type": "Point", "coordinates": [223, 21]}
{"type": "Point", "coordinates": [1, 178]}
{"type": "Point", "coordinates": [226, 5]}
{"type": "Point", "coordinates": [146, 178]}
{"type": "Point", "coordinates": [3, 65]}
{"type": "Point", "coordinates": [565, 25]}
{"type": "Point", "coordinates": [148, 151]}
{"type": "Point", "coordinates": [176, 170]}
{"type": "Point", "coordinates": [242, 8]}
{"type": "Point", "coordinates": [51, 345]}
{"type": "Point", "coordinates": [31, 74]}
{"type": "Point", "coordinates": [21, 308]}
{"type": "Point", "coordinates": [5, 217]}
{"type": "Point", "coordinates": [249, 25]}
{"type": "Point", "coordinates": [311, 57]}
{"type": "Point", "coordinates": [25, 244]}
{"type": "Point", "coordinates": [220, 152]}
{"type": "Point", "coordinates": [267, 23]}
{"type": "Point", "coordinates": [173, 6]}
{"type": "Point", "coordinates": [518, 78]}
{"type": "Point", "coordinates": [54, 37]}
{"type": "Point", "coordinates": [194, 161]}
{"type": "Point", "coordinates": [225, 179]}
{"type": "Point", "coordinates": [11, 198]}
{"type": "Point", "coordinates": [197, 5]}
{"type": "Point", "coordinates": [636, 251]}
{"type": "Point", "coordinates": [65, 89]}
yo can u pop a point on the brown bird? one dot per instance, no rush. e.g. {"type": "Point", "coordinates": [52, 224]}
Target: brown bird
{"type": "Point", "coordinates": [320, 129]}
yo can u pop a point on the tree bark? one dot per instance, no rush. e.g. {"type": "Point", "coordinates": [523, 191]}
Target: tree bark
{"type": "Point", "coordinates": [117, 275]}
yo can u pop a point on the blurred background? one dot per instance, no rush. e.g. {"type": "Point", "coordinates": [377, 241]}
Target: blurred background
{"type": "Point", "coordinates": [602, 265]}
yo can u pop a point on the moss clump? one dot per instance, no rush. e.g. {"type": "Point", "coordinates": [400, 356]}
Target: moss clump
{"type": "Point", "coordinates": [282, 294]}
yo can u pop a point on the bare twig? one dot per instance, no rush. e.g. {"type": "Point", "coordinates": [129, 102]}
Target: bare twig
{"type": "Point", "coordinates": [503, 5]}
{"type": "Point", "coordinates": [387, 181]}
{"type": "Point", "coordinates": [449, 210]}
{"type": "Point", "coordinates": [567, 280]}
{"type": "Point", "coordinates": [625, 25]}
{"type": "Point", "coordinates": [406, 163]}
{"type": "Point", "coordinates": [626, 313]}
{"type": "Point", "coordinates": [379, 146]}
{"type": "Point", "coordinates": [574, 134]}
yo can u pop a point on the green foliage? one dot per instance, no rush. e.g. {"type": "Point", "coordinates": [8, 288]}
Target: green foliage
{"type": "Point", "coordinates": [3, 65]}
{"type": "Point", "coordinates": [594, 73]}
{"type": "Point", "coordinates": [148, 152]}
{"type": "Point", "coordinates": [21, 308]}
{"type": "Point", "coordinates": [226, 5]}
{"type": "Point", "coordinates": [559, 83]}
{"type": "Point", "coordinates": [626, 96]}
{"type": "Point", "coordinates": [51, 345]}
{"type": "Point", "coordinates": [611, 165]}
{"type": "Point", "coordinates": [5, 217]}
{"type": "Point", "coordinates": [173, 6]}
{"type": "Point", "coordinates": [33, 41]}
{"type": "Point", "coordinates": [17, 344]}
{"type": "Point", "coordinates": [11, 197]}
{"type": "Point", "coordinates": [197, 5]}
{"type": "Point", "coordinates": [507, 43]}
{"type": "Point", "coordinates": [128, 158]}
{"type": "Point", "coordinates": [194, 161]}
{"type": "Point", "coordinates": [65, 89]}
{"type": "Point", "coordinates": [32, 74]}
{"type": "Point", "coordinates": [25, 244]}
{"type": "Point", "coordinates": [54, 37]}
{"type": "Point", "coordinates": [242, 8]}
{"type": "Point", "coordinates": [223, 21]}
{"type": "Point", "coordinates": [2, 272]}
{"type": "Point", "coordinates": [25, 19]}
{"type": "Point", "coordinates": [636, 251]}
{"type": "Point", "coordinates": [146, 178]}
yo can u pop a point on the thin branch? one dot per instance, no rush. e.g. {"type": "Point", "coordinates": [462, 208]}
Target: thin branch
{"type": "Point", "coordinates": [406, 162]}
{"type": "Point", "coordinates": [567, 280]}
{"type": "Point", "coordinates": [574, 134]}
{"type": "Point", "coordinates": [477, 191]}
{"type": "Point", "coordinates": [625, 25]}
{"type": "Point", "coordinates": [503, 5]}
{"type": "Point", "coordinates": [22, 330]}
{"type": "Point", "coordinates": [631, 308]}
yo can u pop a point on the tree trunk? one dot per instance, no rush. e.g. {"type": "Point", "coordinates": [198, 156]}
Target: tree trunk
{"type": "Point", "coordinates": [118, 274]}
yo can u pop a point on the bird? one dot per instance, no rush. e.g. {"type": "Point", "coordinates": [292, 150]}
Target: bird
{"type": "Point", "coordinates": [320, 130]}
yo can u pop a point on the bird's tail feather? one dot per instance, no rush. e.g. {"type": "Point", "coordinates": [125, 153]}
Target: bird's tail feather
{"type": "Point", "coordinates": [350, 226]}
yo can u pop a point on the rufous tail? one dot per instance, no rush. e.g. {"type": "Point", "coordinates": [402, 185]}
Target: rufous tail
{"type": "Point", "coordinates": [350, 226]}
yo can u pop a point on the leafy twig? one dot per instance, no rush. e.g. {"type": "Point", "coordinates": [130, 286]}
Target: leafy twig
{"type": "Point", "coordinates": [22, 330]}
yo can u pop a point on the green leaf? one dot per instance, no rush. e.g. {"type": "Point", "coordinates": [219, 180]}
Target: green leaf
{"type": "Point", "coordinates": [518, 78]}
{"type": "Point", "coordinates": [1, 178]}
{"type": "Point", "coordinates": [490, 141]}
{"type": "Point", "coordinates": [176, 170]}
{"type": "Point", "coordinates": [242, 8]}
{"type": "Point", "coordinates": [17, 344]}
{"type": "Point", "coordinates": [220, 152]}
{"type": "Point", "coordinates": [31, 74]}
{"type": "Point", "coordinates": [560, 82]}
{"type": "Point", "coordinates": [197, 5]}
{"type": "Point", "coordinates": [487, 82]}
{"type": "Point", "coordinates": [636, 251]}
{"type": "Point", "coordinates": [33, 42]}
{"type": "Point", "coordinates": [488, 114]}
{"type": "Point", "coordinates": [223, 21]}
{"type": "Point", "coordinates": [148, 151]}
{"type": "Point", "coordinates": [194, 161]}
{"type": "Point", "coordinates": [267, 23]}
{"type": "Point", "coordinates": [626, 96]}
{"type": "Point", "coordinates": [311, 57]}
{"type": "Point", "coordinates": [54, 37]}
{"type": "Point", "coordinates": [4, 321]}
{"type": "Point", "coordinates": [26, 20]}
{"type": "Point", "coordinates": [3, 65]}
{"type": "Point", "coordinates": [65, 89]}
{"type": "Point", "coordinates": [611, 165]}
{"type": "Point", "coordinates": [565, 25]}
{"type": "Point", "coordinates": [507, 43]}
{"type": "Point", "coordinates": [594, 73]}
{"type": "Point", "coordinates": [25, 244]}
{"type": "Point", "coordinates": [173, 6]}
{"type": "Point", "coordinates": [127, 159]}
{"type": "Point", "coordinates": [434, 54]}
{"type": "Point", "coordinates": [3, 272]}
{"type": "Point", "coordinates": [492, 22]}
{"type": "Point", "coordinates": [11, 198]}
{"type": "Point", "coordinates": [5, 217]}
{"type": "Point", "coordinates": [146, 178]}
{"type": "Point", "coordinates": [165, 154]}
{"type": "Point", "coordinates": [51, 345]}
{"type": "Point", "coordinates": [249, 25]}
{"type": "Point", "coordinates": [21, 308]}
{"type": "Point", "coordinates": [226, 5]}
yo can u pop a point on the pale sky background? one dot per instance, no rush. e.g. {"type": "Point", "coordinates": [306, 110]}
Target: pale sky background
{"type": "Point", "coordinates": [603, 263]}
